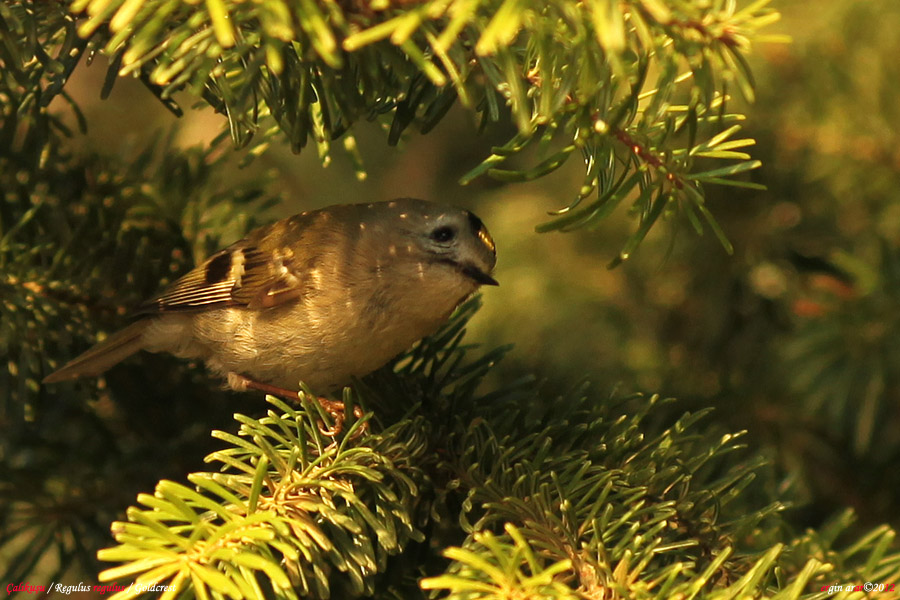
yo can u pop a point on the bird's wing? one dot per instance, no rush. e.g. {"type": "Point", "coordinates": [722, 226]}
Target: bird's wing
{"type": "Point", "coordinates": [253, 273]}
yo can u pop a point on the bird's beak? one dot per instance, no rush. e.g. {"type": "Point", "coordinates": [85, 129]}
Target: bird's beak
{"type": "Point", "coordinates": [479, 276]}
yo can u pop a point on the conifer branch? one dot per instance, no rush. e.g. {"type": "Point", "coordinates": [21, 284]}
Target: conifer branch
{"type": "Point", "coordinates": [289, 512]}
{"type": "Point", "coordinates": [584, 505]}
{"type": "Point", "coordinates": [573, 77]}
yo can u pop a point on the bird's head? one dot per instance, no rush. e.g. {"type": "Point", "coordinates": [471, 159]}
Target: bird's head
{"type": "Point", "coordinates": [446, 240]}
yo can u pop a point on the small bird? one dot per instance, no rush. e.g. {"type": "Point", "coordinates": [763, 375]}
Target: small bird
{"type": "Point", "coordinates": [320, 297]}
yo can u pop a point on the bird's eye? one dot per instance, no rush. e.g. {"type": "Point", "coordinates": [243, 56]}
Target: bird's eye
{"type": "Point", "coordinates": [443, 234]}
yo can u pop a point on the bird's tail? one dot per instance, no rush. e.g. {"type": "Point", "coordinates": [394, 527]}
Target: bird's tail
{"type": "Point", "coordinates": [104, 355]}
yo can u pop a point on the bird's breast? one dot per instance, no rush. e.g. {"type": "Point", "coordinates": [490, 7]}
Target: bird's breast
{"type": "Point", "coordinates": [322, 339]}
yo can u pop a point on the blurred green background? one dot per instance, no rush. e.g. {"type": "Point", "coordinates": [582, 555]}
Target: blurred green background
{"type": "Point", "coordinates": [795, 337]}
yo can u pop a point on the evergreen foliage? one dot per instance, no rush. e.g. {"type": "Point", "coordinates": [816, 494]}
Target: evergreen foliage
{"type": "Point", "coordinates": [639, 91]}
{"type": "Point", "coordinates": [509, 493]}
{"type": "Point", "coordinates": [563, 498]}
{"type": "Point", "coordinates": [83, 238]}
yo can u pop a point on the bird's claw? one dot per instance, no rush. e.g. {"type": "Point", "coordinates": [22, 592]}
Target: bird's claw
{"type": "Point", "coordinates": [338, 411]}
{"type": "Point", "coordinates": [335, 408]}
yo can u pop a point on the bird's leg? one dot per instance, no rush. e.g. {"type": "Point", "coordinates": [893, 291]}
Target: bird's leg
{"type": "Point", "coordinates": [333, 407]}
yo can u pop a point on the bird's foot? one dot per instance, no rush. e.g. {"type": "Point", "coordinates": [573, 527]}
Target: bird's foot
{"type": "Point", "coordinates": [335, 408]}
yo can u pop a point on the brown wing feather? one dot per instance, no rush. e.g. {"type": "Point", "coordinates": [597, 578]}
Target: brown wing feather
{"type": "Point", "coordinates": [240, 275]}
{"type": "Point", "coordinates": [270, 278]}
{"type": "Point", "coordinates": [208, 285]}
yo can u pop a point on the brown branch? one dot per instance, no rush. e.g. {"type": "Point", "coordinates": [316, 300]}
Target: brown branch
{"type": "Point", "coordinates": [672, 25]}
{"type": "Point", "coordinates": [648, 156]}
